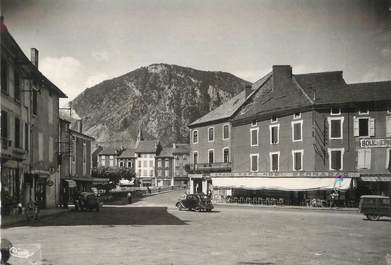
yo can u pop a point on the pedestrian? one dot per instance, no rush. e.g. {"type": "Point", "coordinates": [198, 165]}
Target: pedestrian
{"type": "Point", "coordinates": [129, 197]}
{"type": "Point", "coordinates": [149, 190]}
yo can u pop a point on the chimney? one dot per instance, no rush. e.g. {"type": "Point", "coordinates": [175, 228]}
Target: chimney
{"type": "Point", "coordinates": [80, 122]}
{"type": "Point", "coordinates": [282, 74]}
{"type": "Point", "coordinates": [34, 56]}
{"type": "Point", "coordinates": [249, 89]}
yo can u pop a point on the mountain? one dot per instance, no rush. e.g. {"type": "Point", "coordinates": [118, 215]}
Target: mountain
{"type": "Point", "coordinates": [163, 98]}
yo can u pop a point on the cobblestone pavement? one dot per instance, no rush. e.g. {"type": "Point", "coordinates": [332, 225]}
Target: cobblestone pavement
{"type": "Point", "coordinates": [152, 231]}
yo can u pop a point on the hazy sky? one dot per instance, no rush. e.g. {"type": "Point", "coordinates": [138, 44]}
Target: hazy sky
{"type": "Point", "coordinates": [84, 42]}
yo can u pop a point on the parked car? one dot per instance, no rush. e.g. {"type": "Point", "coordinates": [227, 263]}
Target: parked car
{"type": "Point", "coordinates": [197, 202]}
{"type": "Point", "coordinates": [375, 206]}
{"type": "Point", "coordinates": [87, 200]}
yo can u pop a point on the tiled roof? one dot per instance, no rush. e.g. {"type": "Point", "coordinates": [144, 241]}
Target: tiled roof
{"type": "Point", "coordinates": [284, 92]}
{"type": "Point", "coordinates": [166, 152]}
{"type": "Point", "coordinates": [127, 153]}
{"type": "Point", "coordinates": [147, 146]}
{"type": "Point", "coordinates": [108, 151]}
{"type": "Point", "coordinates": [181, 149]}
{"type": "Point", "coordinates": [227, 109]}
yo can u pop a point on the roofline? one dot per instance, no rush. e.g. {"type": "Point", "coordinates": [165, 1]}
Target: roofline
{"type": "Point", "coordinates": [227, 119]}
{"type": "Point", "coordinates": [326, 72]}
{"type": "Point", "coordinates": [82, 134]}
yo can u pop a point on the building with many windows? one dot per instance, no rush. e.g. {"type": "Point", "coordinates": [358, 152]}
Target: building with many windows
{"type": "Point", "coordinates": [108, 157]}
{"type": "Point", "coordinates": [29, 127]}
{"type": "Point", "coordinates": [302, 137]}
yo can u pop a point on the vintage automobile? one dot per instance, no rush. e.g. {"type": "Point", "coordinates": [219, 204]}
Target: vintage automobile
{"type": "Point", "coordinates": [198, 202]}
{"type": "Point", "coordinates": [375, 206]}
{"type": "Point", "coordinates": [87, 200]}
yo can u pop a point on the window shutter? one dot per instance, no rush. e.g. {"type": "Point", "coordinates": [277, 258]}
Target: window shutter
{"type": "Point", "coordinates": [372, 127]}
{"type": "Point", "coordinates": [388, 126]}
{"type": "Point", "coordinates": [367, 158]}
{"type": "Point", "coordinates": [361, 158]}
{"type": "Point", "coordinates": [355, 127]}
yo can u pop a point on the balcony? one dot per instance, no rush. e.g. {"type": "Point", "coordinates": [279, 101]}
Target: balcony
{"type": "Point", "coordinates": [208, 167]}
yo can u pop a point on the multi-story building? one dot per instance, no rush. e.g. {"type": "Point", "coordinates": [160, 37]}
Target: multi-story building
{"type": "Point", "coordinates": [29, 122]}
{"type": "Point", "coordinates": [108, 157]}
{"type": "Point", "coordinates": [305, 136]}
{"type": "Point", "coordinates": [127, 159]}
{"type": "Point", "coordinates": [181, 157]}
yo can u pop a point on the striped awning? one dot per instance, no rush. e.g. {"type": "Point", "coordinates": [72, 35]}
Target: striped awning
{"type": "Point", "coordinates": [376, 178]}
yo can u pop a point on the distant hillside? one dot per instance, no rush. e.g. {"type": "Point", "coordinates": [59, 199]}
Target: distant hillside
{"type": "Point", "coordinates": [165, 98]}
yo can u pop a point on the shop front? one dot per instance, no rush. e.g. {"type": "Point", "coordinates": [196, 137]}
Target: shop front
{"type": "Point", "coordinates": [278, 189]}
{"type": "Point", "coordinates": [199, 183]}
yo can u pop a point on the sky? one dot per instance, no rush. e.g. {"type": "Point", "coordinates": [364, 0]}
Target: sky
{"type": "Point", "coordinates": [83, 42]}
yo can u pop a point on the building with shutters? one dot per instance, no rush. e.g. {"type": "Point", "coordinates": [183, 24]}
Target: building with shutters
{"type": "Point", "coordinates": [298, 137]}
{"type": "Point", "coordinates": [29, 128]}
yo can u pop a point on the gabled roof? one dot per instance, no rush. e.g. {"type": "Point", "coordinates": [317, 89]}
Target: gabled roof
{"type": "Point", "coordinates": [227, 109]}
{"type": "Point", "coordinates": [108, 151]}
{"type": "Point", "coordinates": [147, 146]}
{"type": "Point", "coordinates": [81, 135]}
{"type": "Point", "coordinates": [128, 153]}
{"type": "Point", "coordinates": [166, 152]}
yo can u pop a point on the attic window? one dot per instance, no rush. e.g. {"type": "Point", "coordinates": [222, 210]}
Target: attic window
{"type": "Point", "coordinates": [335, 111]}
{"type": "Point", "coordinates": [363, 111]}
{"type": "Point", "coordinates": [297, 115]}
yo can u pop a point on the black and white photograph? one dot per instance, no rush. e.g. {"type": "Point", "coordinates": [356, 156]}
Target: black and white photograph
{"type": "Point", "coordinates": [190, 132]}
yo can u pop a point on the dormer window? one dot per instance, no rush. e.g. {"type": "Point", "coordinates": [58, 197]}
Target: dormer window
{"type": "Point", "coordinates": [274, 119]}
{"type": "Point", "coordinates": [363, 111]}
{"type": "Point", "coordinates": [296, 115]}
{"type": "Point", "coordinates": [335, 111]}
{"type": "Point", "coordinates": [254, 123]}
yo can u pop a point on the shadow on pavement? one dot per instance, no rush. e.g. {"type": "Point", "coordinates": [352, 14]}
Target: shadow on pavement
{"type": "Point", "coordinates": [381, 220]}
{"type": "Point", "coordinates": [111, 216]}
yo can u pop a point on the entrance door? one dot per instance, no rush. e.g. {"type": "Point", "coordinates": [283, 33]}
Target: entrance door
{"type": "Point", "coordinates": [40, 192]}
{"type": "Point", "coordinates": [197, 184]}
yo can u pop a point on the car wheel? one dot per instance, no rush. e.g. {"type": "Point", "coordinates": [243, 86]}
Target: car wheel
{"type": "Point", "coordinates": [373, 217]}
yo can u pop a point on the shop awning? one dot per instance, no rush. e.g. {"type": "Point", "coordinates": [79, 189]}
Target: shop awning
{"type": "Point", "coordinates": [71, 183]}
{"type": "Point", "coordinates": [376, 178]}
{"type": "Point", "coordinates": [283, 184]}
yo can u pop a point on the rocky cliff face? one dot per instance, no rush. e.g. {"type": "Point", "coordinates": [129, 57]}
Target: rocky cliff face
{"type": "Point", "coordinates": [163, 98]}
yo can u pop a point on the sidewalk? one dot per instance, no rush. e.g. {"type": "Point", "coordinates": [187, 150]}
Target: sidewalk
{"type": "Point", "coordinates": [352, 210]}
{"type": "Point", "coordinates": [12, 220]}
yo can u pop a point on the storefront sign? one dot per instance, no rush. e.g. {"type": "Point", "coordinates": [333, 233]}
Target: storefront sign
{"type": "Point", "coordinates": [288, 174]}
{"type": "Point", "coordinates": [371, 143]}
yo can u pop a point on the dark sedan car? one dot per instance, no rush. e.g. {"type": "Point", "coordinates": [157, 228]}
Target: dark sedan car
{"type": "Point", "coordinates": [198, 202]}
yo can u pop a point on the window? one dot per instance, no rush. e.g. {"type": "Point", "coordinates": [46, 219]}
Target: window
{"type": "Point", "coordinates": [17, 85]}
{"type": "Point", "coordinates": [225, 132]}
{"type": "Point", "coordinates": [151, 172]}
{"type": "Point", "coordinates": [130, 164]}
{"type": "Point", "coordinates": [35, 102]}
{"type": "Point", "coordinates": [50, 109]}
{"type": "Point", "coordinates": [51, 149]}
{"type": "Point", "coordinates": [159, 163]}
{"type": "Point", "coordinates": [335, 127]}
{"type": "Point", "coordinates": [211, 134]}
{"type": "Point", "coordinates": [84, 152]}
{"type": "Point", "coordinates": [254, 162]}
{"type": "Point", "coordinates": [254, 134]}
{"type": "Point", "coordinates": [139, 163]}
{"type": "Point", "coordinates": [297, 129]}
{"type": "Point", "coordinates": [74, 150]}
{"type": "Point", "coordinates": [297, 158]}
{"type": "Point", "coordinates": [26, 136]}
{"type": "Point", "coordinates": [4, 125]}
{"type": "Point", "coordinates": [40, 146]}
{"type": "Point", "coordinates": [273, 119]}
{"type": "Point", "coordinates": [166, 163]}
{"type": "Point", "coordinates": [296, 115]}
{"type": "Point", "coordinates": [274, 134]}
{"type": "Point", "coordinates": [4, 76]}
{"type": "Point", "coordinates": [388, 159]}
{"type": "Point", "coordinates": [103, 160]}
{"type": "Point", "coordinates": [195, 137]}
{"type": "Point", "coordinates": [139, 173]}
{"type": "Point", "coordinates": [145, 163]}
{"type": "Point", "coordinates": [195, 157]}
{"type": "Point", "coordinates": [150, 163]}
{"type": "Point", "coordinates": [335, 111]}
{"type": "Point", "coordinates": [17, 133]}
{"type": "Point", "coordinates": [363, 158]}
{"type": "Point", "coordinates": [225, 154]}
{"type": "Point", "coordinates": [121, 164]}
{"type": "Point", "coordinates": [211, 155]}
{"type": "Point", "coordinates": [336, 158]}
{"type": "Point", "coordinates": [364, 127]}
{"type": "Point", "coordinates": [274, 161]}
{"type": "Point", "coordinates": [167, 173]}
{"type": "Point", "coordinates": [363, 111]}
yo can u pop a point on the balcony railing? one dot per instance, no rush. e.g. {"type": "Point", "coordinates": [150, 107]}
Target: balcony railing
{"type": "Point", "coordinates": [208, 167]}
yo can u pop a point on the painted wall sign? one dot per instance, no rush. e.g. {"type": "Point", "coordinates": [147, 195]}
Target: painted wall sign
{"type": "Point", "coordinates": [371, 143]}
{"type": "Point", "coordinates": [288, 174]}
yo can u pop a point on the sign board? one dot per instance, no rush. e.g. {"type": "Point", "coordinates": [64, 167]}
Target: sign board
{"type": "Point", "coordinates": [326, 174]}
{"type": "Point", "coordinates": [373, 143]}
